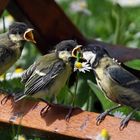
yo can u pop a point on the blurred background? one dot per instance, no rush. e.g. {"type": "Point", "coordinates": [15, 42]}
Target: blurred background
{"type": "Point", "coordinates": [111, 21]}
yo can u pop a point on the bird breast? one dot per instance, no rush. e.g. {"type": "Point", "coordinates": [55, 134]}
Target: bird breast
{"type": "Point", "coordinates": [115, 92]}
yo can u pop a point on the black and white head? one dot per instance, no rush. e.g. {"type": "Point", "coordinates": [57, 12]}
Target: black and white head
{"type": "Point", "coordinates": [64, 49]}
{"type": "Point", "coordinates": [20, 31]}
{"type": "Point", "coordinates": [93, 53]}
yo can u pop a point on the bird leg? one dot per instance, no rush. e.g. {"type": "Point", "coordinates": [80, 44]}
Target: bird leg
{"type": "Point", "coordinates": [45, 109]}
{"type": "Point", "coordinates": [67, 117]}
{"type": "Point", "coordinates": [125, 121]}
{"type": "Point", "coordinates": [69, 114]}
{"type": "Point", "coordinates": [7, 97]}
{"type": "Point", "coordinates": [102, 116]}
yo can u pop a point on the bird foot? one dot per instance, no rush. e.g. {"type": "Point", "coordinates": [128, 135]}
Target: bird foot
{"type": "Point", "coordinates": [101, 117]}
{"type": "Point", "coordinates": [45, 109]}
{"type": "Point", "coordinates": [5, 99]}
{"type": "Point", "coordinates": [67, 117]}
{"type": "Point", "coordinates": [124, 123]}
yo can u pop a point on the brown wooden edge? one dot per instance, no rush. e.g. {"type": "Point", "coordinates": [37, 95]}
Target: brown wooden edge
{"type": "Point", "coordinates": [3, 4]}
{"type": "Point", "coordinates": [81, 125]}
{"type": "Point", "coordinates": [52, 26]}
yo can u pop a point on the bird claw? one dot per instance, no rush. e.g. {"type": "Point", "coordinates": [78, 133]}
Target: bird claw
{"type": "Point", "coordinates": [44, 110]}
{"type": "Point", "coordinates": [124, 123]}
{"type": "Point", "coordinates": [5, 99]}
{"type": "Point", "coordinates": [67, 117]}
{"type": "Point", "coordinates": [101, 117]}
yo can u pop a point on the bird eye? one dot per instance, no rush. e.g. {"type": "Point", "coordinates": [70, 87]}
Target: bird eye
{"type": "Point", "coordinates": [19, 32]}
{"type": "Point", "coordinates": [67, 49]}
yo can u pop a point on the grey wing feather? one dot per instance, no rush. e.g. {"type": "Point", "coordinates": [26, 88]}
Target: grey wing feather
{"type": "Point", "coordinates": [19, 96]}
{"type": "Point", "coordinates": [123, 77]}
{"type": "Point", "coordinates": [131, 70]}
{"type": "Point", "coordinates": [26, 75]}
{"type": "Point", "coordinates": [37, 82]}
{"type": "Point", "coordinates": [5, 53]}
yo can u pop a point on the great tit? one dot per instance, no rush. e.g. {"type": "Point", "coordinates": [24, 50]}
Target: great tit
{"type": "Point", "coordinates": [115, 79]}
{"type": "Point", "coordinates": [12, 43]}
{"type": "Point", "coordinates": [48, 75]}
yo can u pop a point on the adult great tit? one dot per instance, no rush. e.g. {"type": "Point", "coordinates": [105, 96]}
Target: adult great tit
{"type": "Point", "coordinates": [48, 75]}
{"type": "Point", "coordinates": [12, 43]}
{"type": "Point", "coordinates": [116, 80]}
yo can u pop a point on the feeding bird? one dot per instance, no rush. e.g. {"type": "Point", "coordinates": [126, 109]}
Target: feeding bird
{"type": "Point", "coordinates": [48, 75]}
{"type": "Point", "coordinates": [12, 43]}
{"type": "Point", "coordinates": [118, 82]}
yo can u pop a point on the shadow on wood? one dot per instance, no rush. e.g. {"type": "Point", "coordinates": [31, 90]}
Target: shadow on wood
{"type": "Point", "coordinates": [81, 125]}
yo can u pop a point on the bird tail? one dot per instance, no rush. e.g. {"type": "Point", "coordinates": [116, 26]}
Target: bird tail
{"type": "Point", "coordinates": [19, 96]}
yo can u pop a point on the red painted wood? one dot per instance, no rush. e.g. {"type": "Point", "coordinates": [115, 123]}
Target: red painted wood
{"type": "Point", "coordinates": [3, 4]}
{"type": "Point", "coordinates": [81, 125]}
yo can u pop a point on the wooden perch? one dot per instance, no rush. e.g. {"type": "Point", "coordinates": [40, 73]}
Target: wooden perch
{"type": "Point", "coordinates": [81, 125]}
{"type": "Point", "coordinates": [52, 26]}
{"type": "Point", "coordinates": [48, 20]}
{"type": "Point", "coordinates": [3, 4]}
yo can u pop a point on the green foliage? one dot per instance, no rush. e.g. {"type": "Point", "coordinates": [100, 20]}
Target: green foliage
{"type": "Point", "coordinates": [134, 63]}
{"type": "Point", "coordinates": [13, 85]}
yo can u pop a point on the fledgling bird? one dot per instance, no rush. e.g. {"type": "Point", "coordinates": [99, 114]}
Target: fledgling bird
{"type": "Point", "coordinates": [48, 75]}
{"type": "Point", "coordinates": [116, 80]}
{"type": "Point", "coordinates": [12, 43]}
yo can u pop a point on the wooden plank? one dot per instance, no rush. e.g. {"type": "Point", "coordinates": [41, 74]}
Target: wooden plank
{"type": "Point", "coordinates": [48, 20]}
{"type": "Point", "coordinates": [3, 4]}
{"type": "Point", "coordinates": [81, 125]}
{"type": "Point", "coordinates": [122, 53]}
{"type": "Point", "coordinates": [52, 26]}
{"type": "Point", "coordinates": [19, 15]}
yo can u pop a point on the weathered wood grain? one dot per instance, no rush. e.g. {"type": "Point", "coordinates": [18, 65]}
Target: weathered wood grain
{"type": "Point", "coordinates": [81, 125]}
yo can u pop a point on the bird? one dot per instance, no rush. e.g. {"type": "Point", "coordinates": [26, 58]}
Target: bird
{"type": "Point", "coordinates": [48, 75]}
{"type": "Point", "coordinates": [12, 43]}
{"type": "Point", "coordinates": [118, 82]}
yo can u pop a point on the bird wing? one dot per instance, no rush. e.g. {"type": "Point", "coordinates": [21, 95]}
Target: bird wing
{"type": "Point", "coordinates": [42, 78]}
{"type": "Point", "coordinates": [123, 77]}
{"type": "Point", "coordinates": [5, 53]}
{"type": "Point", "coordinates": [44, 60]}
{"type": "Point", "coordinates": [26, 75]}
{"type": "Point", "coordinates": [131, 70]}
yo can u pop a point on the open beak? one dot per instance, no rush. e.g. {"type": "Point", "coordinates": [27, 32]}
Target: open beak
{"type": "Point", "coordinates": [28, 35]}
{"type": "Point", "coordinates": [76, 50]}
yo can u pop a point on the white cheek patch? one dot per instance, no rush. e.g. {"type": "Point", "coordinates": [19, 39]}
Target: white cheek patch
{"type": "Point", "coordinates": [89, 56]}
{"type": "Point", "coordinates": [64, 55]}
{"type": "Point", "coordinates": [15, 38]}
